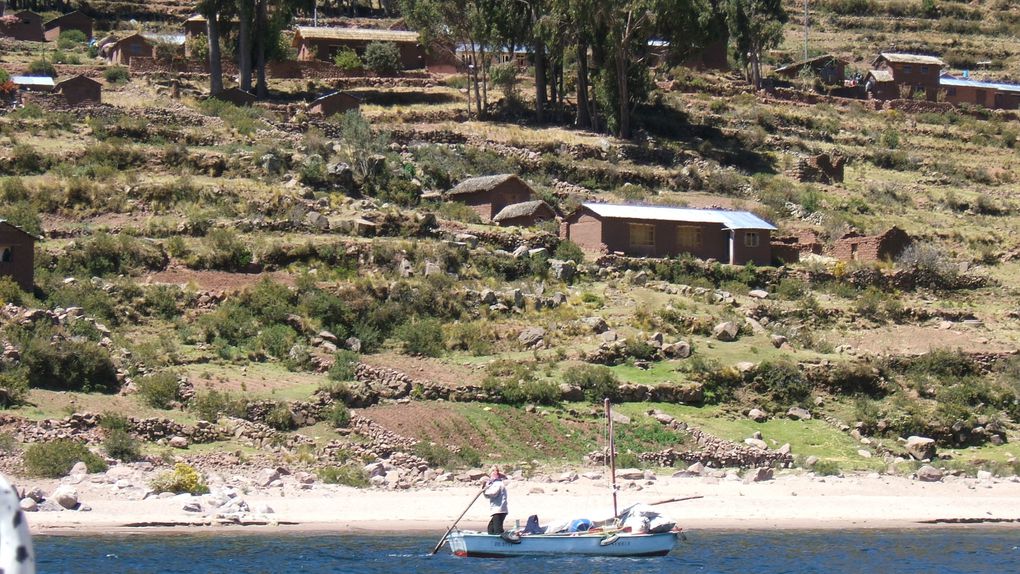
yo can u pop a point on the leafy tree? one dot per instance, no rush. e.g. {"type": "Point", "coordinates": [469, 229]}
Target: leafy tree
{"type": "Point", "coordinates": [382, 57]}
{"type": "Point", "coordinates": [756, 26]}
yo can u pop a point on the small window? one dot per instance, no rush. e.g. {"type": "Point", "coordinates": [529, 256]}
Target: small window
{"type": "Point", "coordinates": [924, 69]}
{"type": "Point", "coordinates": [688, 237]}
{"type": "Point", "coordinates": [751, 239]}
{"type": "Point", "coordinates": [907, 69]}
{"type": "Point", "coordinates": [642, 235]}
{"type": "Point", "coordinates": [951, 91]}
{"type": "Point", "coordinates": [7, 255]}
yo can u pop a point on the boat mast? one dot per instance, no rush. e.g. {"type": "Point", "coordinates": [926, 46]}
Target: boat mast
{"type": "Point", "coordinates": [612, 454]}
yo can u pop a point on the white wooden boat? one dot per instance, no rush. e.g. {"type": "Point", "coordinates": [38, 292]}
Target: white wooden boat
{"type": "Point", "coordinates": [477, 544]}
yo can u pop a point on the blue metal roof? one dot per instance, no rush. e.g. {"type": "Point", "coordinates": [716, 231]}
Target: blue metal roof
{"type": "Point", "coordinates": [947, 81]}
{"type": "Point", "coordinates": [728, 219]}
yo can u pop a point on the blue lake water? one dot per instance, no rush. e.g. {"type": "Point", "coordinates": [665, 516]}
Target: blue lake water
{"type": "Point", "coordinates": [772, 552]}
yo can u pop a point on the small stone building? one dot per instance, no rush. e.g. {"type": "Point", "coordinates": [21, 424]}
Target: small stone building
{"type": "Point", "coordinates": [736, 237]}
{"type": "Point", "coordinates": [17, 255]}
{"type": "Point", "coordinates": [490, 194]}
{"type": "Point", "coordinates": [76, 20]}
{"type": "Point", "coordinates": [25, 25]}
{"type": "Point", "coordinates": [991, 95]}
{"type": "Point", "coordinates": [334, 103]}
{"type": "Point", "coordinates": [884, 247]}
{"type": "Point", "coordinates": [911, 73]}
{"type": "Point", "coordinates": [324, 43]}
{"type": "Point", "coordinates": [524, 214]}
{"type": "Point", "coordinates": [828, 68]}
{"type": "Point", "coordinates": [821, 168]}
{"type": "Point", "coordinates": [80, 90]}
{"type": "Point", "coordinates": [121, 51]}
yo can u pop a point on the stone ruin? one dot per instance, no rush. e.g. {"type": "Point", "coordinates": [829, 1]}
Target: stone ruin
{"type": "Point", "coordinates": [821, 168]}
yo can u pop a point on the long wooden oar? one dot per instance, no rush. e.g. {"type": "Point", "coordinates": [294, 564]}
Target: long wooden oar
{"type": "Point", "coordinates": [667, 501]}
{"type": "Point", "coordinates": [454, 525]}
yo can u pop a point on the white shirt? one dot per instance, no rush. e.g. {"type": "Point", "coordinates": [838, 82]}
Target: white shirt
{"type": "Point", "coordinates": [496, 493]}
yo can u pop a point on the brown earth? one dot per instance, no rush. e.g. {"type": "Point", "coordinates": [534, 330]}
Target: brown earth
{"type": "Point", "coordinates": [213, 280]}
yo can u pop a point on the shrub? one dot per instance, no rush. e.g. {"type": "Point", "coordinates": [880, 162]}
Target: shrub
{"type": "Point", "coordinates": [338, 415]}
{"type": "Point", "coordinates": [276, 340]}
{"type": "Point", "coordinates": [42, 67]}
{"type": "Point", "coordinates": [827, 468]}
{"type": "Point", "coordinates": [182, 479]}
{"type": "Point", "coordinates": [68, 365]}
{"type": "Point", "coordinates": [347, 59]}
{"type": "Point", "coordinates": [116, 74]}
{"type": "Point", "coordinates": [25, 160]}
{"type": "Point", "coordinates": [280, 418]}
{"type": "Point", "coordinates": [504, 76]}
{"type": "Point", "coordinates": [224, 250]}
{"type": "Point", "coordinates": [382, 57]}
{"type": "Point", "coordinates": [122, 446]}
{"type": "Point", "coordinates": [422, 337]}
{"type": "Point", "coordinates": [71, 38]}
{"type": "Point", "coordinates": [165, 51]}
{"type": "Point", "coordinates": [114, 421]}
{"type": "Point", "coordinates": [343, 367]}
{"type": "Point", "coordinates": [944, 364]}
{"type": "Point", "coordinates": [347, 475]}
{"type": "Point", "coordinates": [159, 390]}
{"type": "Point", "coordinates": [439, 455]}
{"type": "Point", "coordinates": [212, 404]}
{"type": "Point", "coordinates": [568, 250]}
{"type": "Point", "coordinates": [781, 382]}
{"type": "Point", "coordinates": [595, 381]}
{"type": "Point", "coordinates": [198, 47]}
{"type": "Point", "coordinates": [931, 266]}
{"type": "Point", "coordinates": [55, 459]}
{"type": "Point", "coordinates": [13, 388]}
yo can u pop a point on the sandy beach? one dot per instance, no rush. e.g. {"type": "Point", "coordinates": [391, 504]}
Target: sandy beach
{"type": "Point", "coordinates": [786, 502]}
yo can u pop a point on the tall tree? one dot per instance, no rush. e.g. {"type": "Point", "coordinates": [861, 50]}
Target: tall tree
{"type": "Point", "coordinates": [245, 14]}
{"type": "Point", "coordinates": [756, 26]}
{"type": "Point", "coordinates": [211, 10]}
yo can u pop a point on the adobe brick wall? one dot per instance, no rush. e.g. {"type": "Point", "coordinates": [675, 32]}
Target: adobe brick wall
{"type": "Point", "coordinates": [585, 230]}
{"type": "Point", "coordinates": [870, 248]}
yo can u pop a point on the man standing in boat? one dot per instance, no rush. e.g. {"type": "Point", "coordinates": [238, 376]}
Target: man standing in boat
{"type": "Point", "coordinates": [496, 493]}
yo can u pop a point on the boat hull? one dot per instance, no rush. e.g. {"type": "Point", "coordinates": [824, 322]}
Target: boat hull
{"type": "Point", "coordinates": [492, 546]}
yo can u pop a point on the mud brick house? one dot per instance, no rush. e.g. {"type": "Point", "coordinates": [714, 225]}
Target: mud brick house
{"type": "Point", "coordinates": [76, 20]}
{"type": "Point", "coordinates": [17, 255]}
{"type": "Point", "coordinates": [334, 103]}
{"type": "Point", "coordinates": [121, 51]}
{"type": "Point", "coordinates": [25, 25]}
{"type": "Point", "coordinates": [736, 237]}
{"type": "Point", "coordinates": [324, 43]}
{"type": "Point", "coordinates": [489, 195]}
{"type": "Point", "coordinates": [892, 73]}
{"type": "Point", "coordinates": [988, 94]}
{"type": "Point", "coordinates": [79, 90]}
{"type": "Point", "coordinates": [828, 68]}
{"type": "Point", "coordinates": [524, 214]}
{"type": "Point", "coordinates": [884, 247]}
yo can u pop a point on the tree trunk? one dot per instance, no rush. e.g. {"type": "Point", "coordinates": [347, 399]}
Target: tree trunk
{"type": "Point", "coordinates": [215, 64]}
{"type": "Point", "coordinates": [583, 112]}
{"type": "Point", "coordinates": [261, 31]}
{"type": "Point", "coordinates": [540, 88]}
{"type": "Point", "coordinates": [485, 78]}
{"type": "Point", "coordinates": [622, 92]}
{"type": "Point", "coordinates": [244, 47]}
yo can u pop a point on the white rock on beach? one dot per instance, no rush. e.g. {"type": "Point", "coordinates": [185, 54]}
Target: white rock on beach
{"type": "Point", "coordinates": [66, 496]}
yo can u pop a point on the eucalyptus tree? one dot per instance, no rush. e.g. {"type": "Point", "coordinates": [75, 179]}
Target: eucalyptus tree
{"type": "Point", "coordinates": [756, 26]}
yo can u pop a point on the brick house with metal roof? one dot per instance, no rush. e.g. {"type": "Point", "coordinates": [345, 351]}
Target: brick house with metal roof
{"type": "Point", "coordinates": [902, 73]}
{"type": "Point", "coordinates": [736, 237]}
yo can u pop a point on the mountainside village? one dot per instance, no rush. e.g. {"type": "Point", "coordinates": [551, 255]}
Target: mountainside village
{"type": "Point", "coordinates": [386, 245]}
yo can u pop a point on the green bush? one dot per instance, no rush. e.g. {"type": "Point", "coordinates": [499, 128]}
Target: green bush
{"type": "Point", "coordinates": [347, 475]}
{"type": "Point", "coordinates": [827, 468]}
{"type": "Point", "coordinates": [441, 456]}
{"type": "Point", "coordinates": [382, 57]}
{"type": "Point", "coordinates": [68, 365]}
{"type": "Point", "coordinates": [422, 337]}
{"type": "Point", "coordinates": [276, 340]}
{"type": "Point", "coordinates": [182, 479]}
{"type": "Point", "coordinates": [159, 390]}
{"type": "Point", "coordinates": [944, 364]}
{"type": "Point", "coordinates": [337, 415]}
{"type": "Point", "coordinates": [781, 383]}
{"type": "Point", "coordinates": [122, 446]}
{"type": "Point", "coordinates": [225, 250]}
{"type": "Point", "coordinates": [13, 388]}
{"type": "Point", "coordinates": [103, 254]}
{"type": "Point", "coordinates": [515, 383]}
{"type": "Point", "coordinates": [114, 421]}
{"type": "Point", "coordinates": [347, 59]}
{"type": "Point", "coordinates": [197, 47]}
{"type": "Point", "coordinates": [568, 250]}
{"type": "Point", "coordinates": [42, 67]}
{"type": "Point", "coordinates": [116, 74]}
{"type": "Point", "coordinates": [343, 367]}
{"type": "Point", "coordinates": [54, 459]}
{"type": "Point", "coordinates": [25, 160]}
{"type": "Point", "coordinates": [504, 76]}
{"type": "Point", "coordinates": [71, 38]}
{"type": "Point", "coordinates": [595, 381]}
{"type": "Point", "coordinates": [212, 404]}
{"type": "Point", "coordinates": [280, 418]}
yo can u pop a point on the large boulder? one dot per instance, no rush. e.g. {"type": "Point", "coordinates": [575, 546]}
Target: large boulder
{"type": "Point", "coordinates": [677, 350]}
{"type": "Point", "coordinates": [532, 337]}
{"type": "Point", "coordinates": [758, 475]}
{"type": "Point", "coordinates": [757, 415]}
{"type": "Point", "coordinates": [920, 448]}
{"type": "Point", "coordinates": [596, 324]}
{"type": "Point", "coordinates": [563, 270]}
{"type": "Point", "coordinates": [726, 331]}
{"type": "Point", "coordinates": [798, 414]}
{"type": "Point", "coordinates": [66, 496]}
{"type": "Point", "coordinates": [267, 476]}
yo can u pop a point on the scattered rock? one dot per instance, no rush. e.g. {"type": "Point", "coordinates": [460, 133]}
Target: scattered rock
{"type": "Point", "coordinates": [756, 443]}
{"type": "Point", "coordinates": [726, 331]}
{"type": "Point", "coordinates": [179, 442]}
{"type": "Point", "coordinates": [778, 341]}
{"type": "Point", "coordinates": [757, 415]}
{"type": "Point", "coordinates": [532, 337]}
{"type": "Point", "coordinates": [798, 414]}
{"type": "Point", "coordinates": [928, 473]}
{"type": "Point", "coordinates": [758, 475]}
{"type": "Point", "coordinates": [920, 448]}
{"type": "Point", "coordinates": [758, 294]}
{"type": "Point", "coordinates": [66, 496]}
{"type": "Point", "coordinates": [29, 505]}
{"type": "Point", "coordinates": [267, 476]}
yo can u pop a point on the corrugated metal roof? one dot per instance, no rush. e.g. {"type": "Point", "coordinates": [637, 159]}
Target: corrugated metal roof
{"type": "Point", "coordinates": [911, 58]}
{"type": "Point", "coordinates": [729, 219]}
{"type": "Point", "coordinates": [32, 81]}
{"type": "Point", "coordinates": [356, 34]}
{"type": "Point", "coordinates": [949, 81]}
{"type": "Point", "coordinates": [175, 39]}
